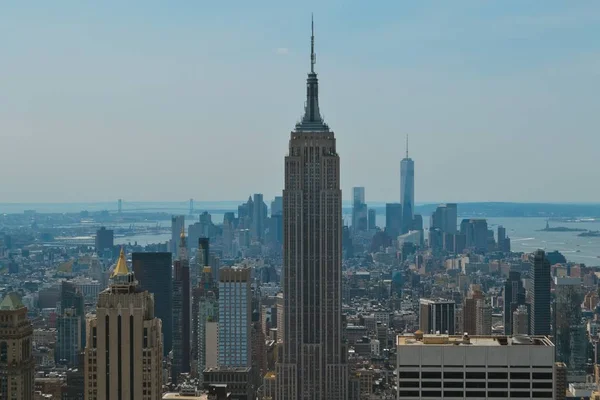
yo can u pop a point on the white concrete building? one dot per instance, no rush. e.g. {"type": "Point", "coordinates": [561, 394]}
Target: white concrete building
{"type": "Point", "coordinates": [479, 367]}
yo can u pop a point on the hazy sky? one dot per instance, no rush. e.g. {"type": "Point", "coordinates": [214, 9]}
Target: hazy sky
{"type": "Point", "coordinates": [167, 100]}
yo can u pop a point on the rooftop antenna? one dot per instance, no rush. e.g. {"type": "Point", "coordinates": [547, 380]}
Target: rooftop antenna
{"type": "Point", "coordinates": [313, 57]}
{"type": "Point", "coordinates": [406, 146]}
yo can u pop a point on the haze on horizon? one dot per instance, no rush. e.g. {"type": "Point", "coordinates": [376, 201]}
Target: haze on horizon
{"type": "Point", "coordinates": [155, 100]}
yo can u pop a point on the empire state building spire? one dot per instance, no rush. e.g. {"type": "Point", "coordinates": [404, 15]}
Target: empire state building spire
{"type": "Point", "coordinates": [312, 120]}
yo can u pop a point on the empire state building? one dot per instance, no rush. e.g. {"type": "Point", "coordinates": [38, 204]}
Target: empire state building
{"type": "Point", "coordinates": [312, 359]}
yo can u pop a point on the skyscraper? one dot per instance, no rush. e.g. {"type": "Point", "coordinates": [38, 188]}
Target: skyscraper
{"type": "Point", "coordinates": [407, 190]}
{"type": "Point", "coordinates": [259, 217]}
{"type": "Point", "coordinates": [437, 316]}
{"type": "Point", "coordinates": [154, 274]}
{"type": "Point", "coordinates": [312, 359]}
{"type": "Point", "coordinates": [359, 210]}
{"type": "Point", "coordinates": [235, 317]}
{"type": "Point", "coordinates": [205, 313]}
{"type": "Point", "coordinates": [569, 328]}
{"type": "Point", "coordinates": [16, 357]}
{"type": "Point", "coordinates": [539, 296]}
{"type": "Point", "coordinates": [104, 240]}
{"type": "Point", "coordinates": [372, 218]}
{"type": "Point", "coordinates": [123, 355]}
{"type": "Point", "coordinates": [177, 224]}
{"type": "Point", "coordinates": [181, 312]}
{"type": "Point", "coordinates": [71, 325]}
{"type": "Point", "coordinates": [514, 296]}
{"type": "Point", "coordinates": [393, 220]}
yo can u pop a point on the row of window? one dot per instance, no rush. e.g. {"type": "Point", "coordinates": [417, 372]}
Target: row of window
{"type": "Point", "coordinates": [479, 393]}
{"type": "Point", "coordinates": [475, 384]}
{"type": "Point", "coordinates": [475, 375]}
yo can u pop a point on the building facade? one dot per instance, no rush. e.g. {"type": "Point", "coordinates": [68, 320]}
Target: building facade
{"type": "Point", "coordinates": [16, 357]}
{"type": "Point", "coordinates": [182, 324]}
{"type": "Point", "coordinates": [407, 191]}
{"type": "Point", "coordinates": [123, 354]}
{"type": "Point", "coordinates": [481, 367]}
{"type": "Point", "coordinates": [437, 316]}
{"type": "Point", "coordinates": [312, 358]}
{"type": "Point", "coordinates": [153, 272]}
{"type": "Point", "coordinates": [539, 295]}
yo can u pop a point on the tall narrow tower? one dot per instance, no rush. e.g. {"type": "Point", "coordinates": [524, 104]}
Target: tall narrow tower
{"type": "Point", "coordinates": [312, 358]}
{"type": "Point", "coordinates": [182, 328]}
{"type": "Point", "coordinates": [407, 190]}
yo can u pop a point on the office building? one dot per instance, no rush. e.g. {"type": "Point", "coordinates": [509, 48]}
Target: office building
{"type": "Point", "coordinates": [105, 240]}
{"type": "Point", "coordinates": [539, 295]}
{"type": "Point", "coordinates": [484, 318]}
{"type": "Point", "coordinates": [235, 317]}
{"type": "Point", "coordinates": [372, 219]}
{"type": "Point", "coordinates": [205, 317]}
{"type": "Point", "coordinates": [444, 218]}
{"type": "Point", "coordinates": [359, 210]}
{"type": "Point", "coordinates": [481, 367]}
{"type": "Point", "coordinates": [70, 324]}
{"type": "Point", "coordinates": [570, 336]}
{"type": "Point", "coordinates": [177, 225]}
{"type": "Point", "coordinates": [153, 272]}
{"type": "Point", "coordinates": [437, 316]}
{"type": "Point", "coordinates": [470, 310]}
{"type": "Point", "coordinates": [123, 355]}
{"type": "Point", "coordinates": [407, 191]}
{"type": "Point", "coordinates": [16, 359]}
{"type": "Point", "coordinates": [514, 296]}
{"type": "Point", "coordinates": [393, 220]}
{"type": "Point", "coordinates": [503, 240]}
{"type": "Point", "coordinates": [277, 206]}
{"type": "Point", "coordinates": [520, 321]}
{"type": "Point", "coordinates": [312, 358]}
{"type": "Point", "coordinates": [259, 218]}
{"type": "Point", "coordinates": [476, 234]}
{"type": "Point", "coordinates": [181, 314]}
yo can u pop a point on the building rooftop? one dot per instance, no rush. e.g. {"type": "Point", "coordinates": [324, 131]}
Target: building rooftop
{"type": "Point", "coordinates": [11, 302]}
{"type": "Point", "coordinates": [466, 340]}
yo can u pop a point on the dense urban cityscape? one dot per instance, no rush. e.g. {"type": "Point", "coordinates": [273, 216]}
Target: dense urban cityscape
{"type": "Point", "coordinates": [302, 296]}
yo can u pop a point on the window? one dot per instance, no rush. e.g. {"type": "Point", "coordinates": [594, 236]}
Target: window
{"type": "Point", "coordinates": [453, 385]}
{"type": "Point", "coordinates": [409, 393]}
{"type": "Point", "coordinates": [519, 394]}
{"type": "Point", "coordinates": [541, 395]}
{"type": "Point", "coordinates": [431, 375]}
{"type": "Point", "coordinates": [520, 375]}
{"type": "Point", "coordinates": [475, 375]}
{"type": "Point", "coordinates": [503, 395]}
{"type": "Point", "coordinates": [520, 385]}
{"type": "Point", "coordinates": [542, 385]}
{"type": "Point", "coordinates": [431, 393]}
{"type": "Point", "coordinates": [475, 385]}
{"type": "Point", "coordinates": [542, 375]}
{"type": "Point", "coordinates": [407, 374]}
{"type": "Point", "coordinates": [497, 375]}
{"type": "Point", "coordinates": [409, 384]}
{"type": "Point", "coordinates": [476, 394]}
{"type": "Point", "coordinates": [453, 393]}
{"type": "Point", "coordinates": [454, 375]}
{"type": "Point", "coordinates": [435, 384]}
{"type": "Point", "coordinates": [498, 385]}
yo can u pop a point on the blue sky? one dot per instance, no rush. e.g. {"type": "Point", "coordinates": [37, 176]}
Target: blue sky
{"type": "Point", "coordinates": [159, 100]}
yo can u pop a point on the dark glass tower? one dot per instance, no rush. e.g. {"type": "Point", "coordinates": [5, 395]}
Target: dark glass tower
{"type": "Point", "coordinates": [312, 358]}
{"type": "Point", "coordinates": [154, 274]}
{"type": "Point", "coordinates": [540, 316]}
{"type": "Point", "coordinates": [407, 191]}
{"type": "Point", "coordinates": [182, 324]}
{"type": "Point", "coordinates": [514, 296]}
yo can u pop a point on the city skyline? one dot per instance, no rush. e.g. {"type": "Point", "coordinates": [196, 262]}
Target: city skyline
{"type": "Point", "coordinates": [459, 79]}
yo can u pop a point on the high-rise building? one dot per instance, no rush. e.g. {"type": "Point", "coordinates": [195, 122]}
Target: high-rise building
{"type": "Point", "coordinates": [312, 359]}
{"type": "Point", "coordinates": [476, 233]}
{"type": "Point", "coordinates": [359, 210]}
{"type": "Point", "coordinates": [393, 220]}
{"type": "Point", "coordinates": [177, 225]}
{"type": "Point", "coordinates": [407, 191]}
{"type": "Point", "coordinates": [16, 357]}
{"type": "Point", "coordinates": [104, 240]}
{"type": "Point", "coordinates": [539, 295]}
{"type": "Point", "coordinates": [481, 367]}
{"type": "Point", "coordinates": [277, 206]}
{"type": "Point", "coordinates": [123, 354]}
{"type": "Point", "coordinates": [154, 274]}
{"type": "Point", "coordinates": [470, 310]}
{"type": "Point", "coordinates": [71, 325]}
{"type": "Point", "coordinates": [259, 218]}
{"type": "Point", "coordinates": [520, 321]}
{"type": "Point", "coordinates": [437, 316]}
{"type": "Point", "coordinates": [514, 296]}
{"type": "Point", "coordinates": [569, 329]}
{"type": "Point", "coordinates": [372, 219]}
{"type": "Point", "coordinates": [205, 313]}
{"type": "Point", "coordinates": [484, 318]}
{"type": "Point", "coordinates": [444, 218]}
{"type": "Point", "coordinates": [182, 325]}
{"type": "Point", "coordinates": [235, 318]}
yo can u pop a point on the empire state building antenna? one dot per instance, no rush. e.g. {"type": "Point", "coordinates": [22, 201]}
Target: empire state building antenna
{"type": "Point", "coordinates": [313, 56]}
